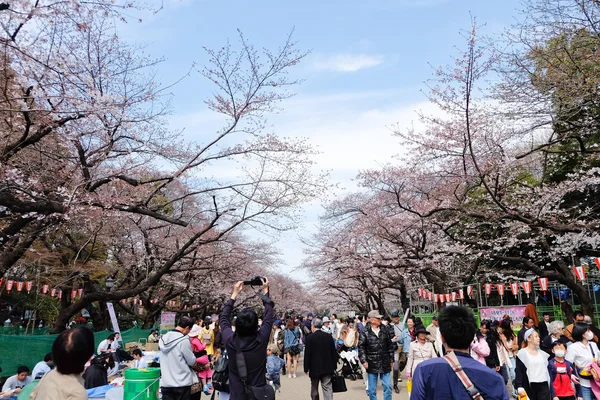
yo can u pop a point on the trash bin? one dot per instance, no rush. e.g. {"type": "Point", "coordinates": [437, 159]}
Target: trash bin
{"type": "Point", "coordinates": [141, 384]}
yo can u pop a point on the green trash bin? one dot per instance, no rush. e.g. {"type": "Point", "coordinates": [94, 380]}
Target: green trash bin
{"type": "Point", "coordinates": [141, 384]}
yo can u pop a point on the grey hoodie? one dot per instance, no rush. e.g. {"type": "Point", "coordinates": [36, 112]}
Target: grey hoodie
{"type": "Point", "coordinates": [176, 358]}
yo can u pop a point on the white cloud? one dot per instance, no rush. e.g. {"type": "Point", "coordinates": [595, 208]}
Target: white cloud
{"type": "Point", "coordinates": [346, 62]}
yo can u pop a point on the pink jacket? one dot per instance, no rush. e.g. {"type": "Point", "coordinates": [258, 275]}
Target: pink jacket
{"type": "Point", "coordinates": [480, 349]}
{"type": "Point", "coordinates": [197, 345]}
{"type": "Point", "coordinates": [207, 373]}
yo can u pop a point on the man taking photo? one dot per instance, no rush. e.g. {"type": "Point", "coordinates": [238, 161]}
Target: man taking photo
{"type": "Point", "coordinates": [252, 341]}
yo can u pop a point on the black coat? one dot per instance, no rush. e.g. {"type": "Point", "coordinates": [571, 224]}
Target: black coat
{"type": "Point", "coordinates": [543, 330]}
{"type": "Point", "coordinates": [320, 357]}
{"type": "Point", "coordinates": [95, 375]}
{"type": "Point", "coordinates": [547, 344]}
{"type": "Point", "coordinates": [378, 351]}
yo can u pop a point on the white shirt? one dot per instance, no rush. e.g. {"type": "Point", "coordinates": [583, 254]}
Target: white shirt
{"type": "Point", "coordinates": [141, 363]}
{"type": "Point", "coordinates": [103, 346]}
{"type": "Point", "coordinates": [13, 383]}
{"type": "Point", "coordinates": [581, 355]}
{"type": "Point", "coordinates": [41, 368]}
{"type": "Point", "coordinates": [537, 371]}
{"type": "Point", "coordinates": [115, 344]}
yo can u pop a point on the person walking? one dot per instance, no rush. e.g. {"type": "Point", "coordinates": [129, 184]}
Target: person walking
{"type": "Point", "coordinates": [583, 353]}
{"type": "Point", "coordinates": [291, 346]}
{"type": "Point", "coordinates": [435, 379]}
{"type": "Point", "coordinates": [577, 318]}
{"type": "Point", "coordinates": [251, 341]}
{"type": "Point", "coordinates": [419, 351]}
{"type": "Point", "coordinates": [376, 353]}
{"type": "Point", "coordinates": [532, 368]}
{"type": "Point", "coordinates": [434, 336]}
{"type": "Point", "coordinates": [528, 323]}
{"type": "Point", "coordinates": [399, 355]}
{"type": "Point", "coordinates": [556, 330]}
{"type": "Point", "coordinates": [320, 361]}
{"type": "Point", "coordinates": [176, 358]}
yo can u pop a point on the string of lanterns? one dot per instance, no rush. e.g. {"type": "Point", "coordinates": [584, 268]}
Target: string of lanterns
{"type": "Point", "coordinates": [46, 290]}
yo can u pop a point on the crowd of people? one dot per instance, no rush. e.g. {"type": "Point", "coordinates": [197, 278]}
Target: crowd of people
{"type": "Point", "coordinates": [244, 356]}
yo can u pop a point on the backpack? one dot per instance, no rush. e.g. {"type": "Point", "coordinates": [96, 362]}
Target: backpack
{"type": "Point", "coordinates": [206, 338]}
{"type": "Point", "coordinates": [220, 377]}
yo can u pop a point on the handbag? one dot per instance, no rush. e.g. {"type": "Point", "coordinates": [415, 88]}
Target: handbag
{"type": "Point", "coordinates": [338, 383]}
{"type": "Point", "coordinates": [264, 392]}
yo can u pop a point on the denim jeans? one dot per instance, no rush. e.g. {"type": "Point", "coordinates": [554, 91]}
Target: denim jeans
{"type": "Point", "coordinates": [587, 393]}
{"type": "Point", "coordinates": [386, 382]}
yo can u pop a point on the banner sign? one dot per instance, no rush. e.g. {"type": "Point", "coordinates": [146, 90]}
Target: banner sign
{"type": "Point", "coordinates": [113, 317]}
{"type": "Point", "coordinates": [167, 321]}
{"type": "Point", "coordinates": [515, 313]}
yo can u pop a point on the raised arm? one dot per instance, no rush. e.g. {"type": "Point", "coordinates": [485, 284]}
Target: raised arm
{"type": "Point", "coordinates": [225, 318]}
{"type": "Point", "coordinates": [267, 326]}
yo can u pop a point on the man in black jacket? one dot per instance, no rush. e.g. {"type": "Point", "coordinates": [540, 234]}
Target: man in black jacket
{"type": "Point", "coordinates": [320, 361]}
{"type": "Point", "coordinates": [376, 353]}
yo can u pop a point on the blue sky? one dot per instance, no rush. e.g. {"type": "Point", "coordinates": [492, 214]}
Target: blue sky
{"type": "Point", "coordinates": [366, 70]}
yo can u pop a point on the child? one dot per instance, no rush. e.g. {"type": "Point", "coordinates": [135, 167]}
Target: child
{"type": "Point", "coordinates": [561, 373]}
{"type": "Point", "coordinates": [274, 365]}
{"type": "Point", "coordinates": [139, 359]}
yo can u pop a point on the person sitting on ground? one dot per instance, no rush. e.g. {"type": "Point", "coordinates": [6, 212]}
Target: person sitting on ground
{"type": "Point", "coordinates": [153, 336]}
{"type": "Point", "coordinates": [139, 359]}
{"type": "Point", "coordinates": [70, 352]}
{"type": "Point", "coordinates": [435, 379]}
{"type": "Point", "coordinates": [43, 367]}
{"type": "Point", "coordinates": [15, 383]}
{"type": "Point", "coordinates": [105, 346]}
{"type": "Point", "coordinates": [249, 339]}
{"type": "Point", "coordinates": [274, 366]}
{"type": "Point", "coordinates": [578, 317]}
{"type": "Point", "coordinates": [97, 373]}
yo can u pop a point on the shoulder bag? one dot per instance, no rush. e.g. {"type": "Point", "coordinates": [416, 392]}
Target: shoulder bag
{"type": "Point", "coordinates": [264, 392]}
{"type": "Point", "coordinates": [462, 376]}
{"type": "Point", "coordinates": [220, 377]}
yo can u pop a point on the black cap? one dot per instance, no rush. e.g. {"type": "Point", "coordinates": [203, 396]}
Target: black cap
{"type": "Point", "coordinates": [434, 318]}
{"type": "Point", "coordinates": [395, 314]}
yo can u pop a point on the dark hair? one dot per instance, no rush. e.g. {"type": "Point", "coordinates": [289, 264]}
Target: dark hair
{"type": "Point", "coordinates": [48, 357]}
{"type": "Point", "coordinates": [578, 314]}
{"type": "Point", "coordinates": [360, 317]}
{"type": "Point", "coordinates": [457, 326]}
{"type": "Point", "coordinates": [505, 327]}
{"type": "Point", "coordinates": [137, 352]}
{"type": "Point", "coordinates": [545, 313]}
{"type": "Point", "coordinates": [526, 320]}
{"type": "Point", "coordinates": [22, 369]}
{"type": "Point", "coordinates": [72, 349]}
{"type": "Point", "coordinates": [559, 343]}
{"type": "Point", "coordinates": [185, 322]}
{"type": "Point", "coordinates": [247, 323]}
{"type": "Point", "coordinates": [578, 330]}
{"type": "Point", "coordinates": [411, 318]}
{"type": "Point", "coordinates": [111, 337]}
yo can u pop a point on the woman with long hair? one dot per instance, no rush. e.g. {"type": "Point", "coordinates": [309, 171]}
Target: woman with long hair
{"type": "Point", "coordinates": [291, 346]}
{"type": "Point", "coordinates": [509, 340]}
{"type": "Point", "coordinates": [532, 369]}
{"type": "Point", "coordinates": [480, 350]}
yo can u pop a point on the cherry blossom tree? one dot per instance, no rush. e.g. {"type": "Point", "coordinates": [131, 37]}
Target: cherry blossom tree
{"type": "Point", "coordinates": [85, 149]}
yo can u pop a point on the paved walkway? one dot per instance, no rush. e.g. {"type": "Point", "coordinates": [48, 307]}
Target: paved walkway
{"type": "Point", "coordinates": [299, 388]}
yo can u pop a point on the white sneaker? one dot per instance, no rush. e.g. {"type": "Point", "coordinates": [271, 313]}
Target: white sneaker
{"type": "Point", "coordinates": [293, 376]}
{"type": "Point", "coordinates": [289, 376]}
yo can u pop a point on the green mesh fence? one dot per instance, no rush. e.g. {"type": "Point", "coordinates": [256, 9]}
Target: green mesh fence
{"type": "Point", "coordinates": [17, 350]}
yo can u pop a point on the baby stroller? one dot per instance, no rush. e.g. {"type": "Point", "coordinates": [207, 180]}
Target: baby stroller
{"type": "Point", "coordinates": [350, 365]}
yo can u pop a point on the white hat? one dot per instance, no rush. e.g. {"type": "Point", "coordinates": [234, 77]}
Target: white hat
{"type": "Point", "coordinates": [195, 331]}
{"type": "Point", "coordinates": [325, 319]}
